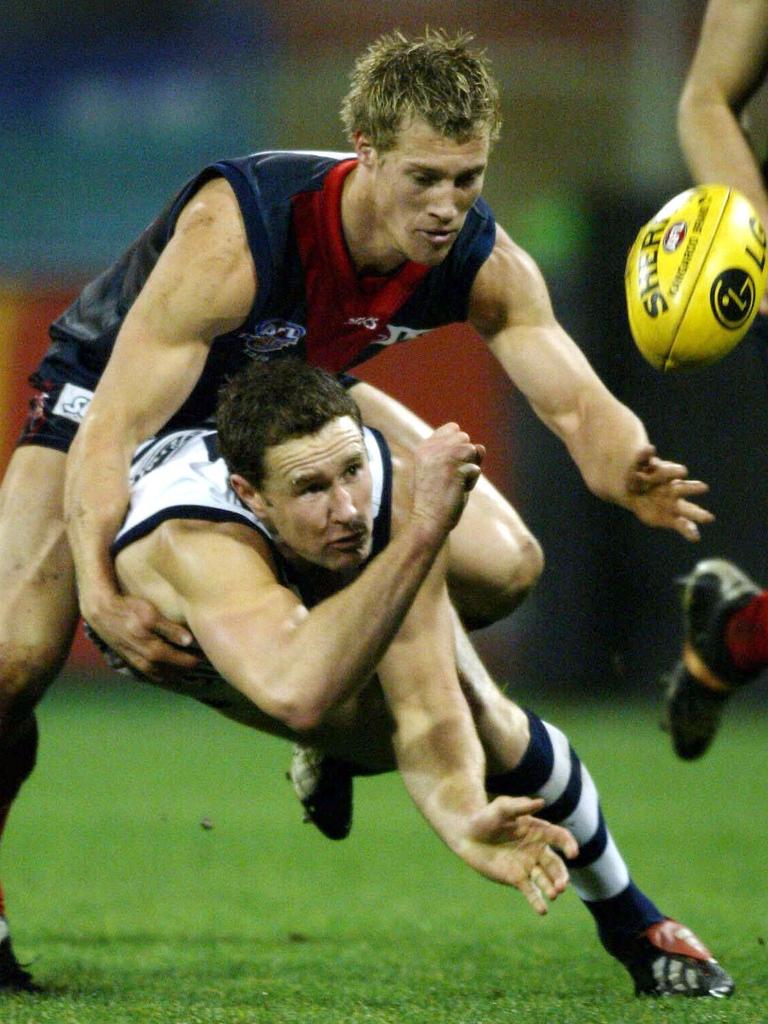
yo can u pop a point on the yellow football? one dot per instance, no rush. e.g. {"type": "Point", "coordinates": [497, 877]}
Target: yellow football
{"type": "Point", "coordinates": [695, 277]}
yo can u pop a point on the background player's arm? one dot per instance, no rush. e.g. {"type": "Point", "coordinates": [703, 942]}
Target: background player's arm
{"type": "Point", "coordinates": [729, 65]}
{"type": "Point", "coordinates": [510, 307]}
{"type": "Point", "coordinates": [202, 285]}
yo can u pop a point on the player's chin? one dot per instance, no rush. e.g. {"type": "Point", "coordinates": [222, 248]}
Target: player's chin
{"type": "Point", "coordinates": [338, 558]}
{"type": "Point", "coordinates": [430, 250]}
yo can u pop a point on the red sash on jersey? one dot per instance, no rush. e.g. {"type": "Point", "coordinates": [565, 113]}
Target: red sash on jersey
{"type": "Point", "coordinates": [345, 312]}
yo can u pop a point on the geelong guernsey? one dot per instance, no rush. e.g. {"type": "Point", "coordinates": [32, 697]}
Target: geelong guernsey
{"type": "Point", "coordinates": [181, 476]}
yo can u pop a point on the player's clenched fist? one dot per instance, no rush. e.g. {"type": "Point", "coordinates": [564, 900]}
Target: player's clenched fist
{"type": "Point", "coordinates": [446, 468]}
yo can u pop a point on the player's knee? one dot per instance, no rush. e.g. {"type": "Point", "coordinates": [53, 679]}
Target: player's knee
{"type": "Point", "coordinates": [516, 573]}
{"type": "Point", "coordinates": [26, 671]}
{"type": "Point", "coordinates": [505, 584]}
{"type": "Point", "coordinates": [525, 566]}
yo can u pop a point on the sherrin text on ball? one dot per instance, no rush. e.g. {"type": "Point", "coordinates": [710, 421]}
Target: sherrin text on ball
{"type": "Point", "coordinates": [694, 278]}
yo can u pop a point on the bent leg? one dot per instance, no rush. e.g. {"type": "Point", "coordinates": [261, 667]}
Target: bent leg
{"type": "Point", "coordinates": [494, 559]}
{"type": "Point", "coordinates": [38, 612]}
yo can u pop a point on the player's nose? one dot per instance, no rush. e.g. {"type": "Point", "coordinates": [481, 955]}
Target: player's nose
{"type": "Point", "coordinates": [343, 508]}
{"type": "Point", "coordinates": [444, 206]}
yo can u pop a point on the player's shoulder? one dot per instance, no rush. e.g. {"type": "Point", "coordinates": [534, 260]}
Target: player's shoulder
{"type": "Point", "coordinates": [211, 205]}
{"type": "Point", "coordinates": [184, 549]}
{"type": "Point", "coordinates": [509, 282]}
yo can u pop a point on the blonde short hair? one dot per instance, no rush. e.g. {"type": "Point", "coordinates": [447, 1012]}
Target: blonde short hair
{"type": "Point", "coordinates": [435, 77]}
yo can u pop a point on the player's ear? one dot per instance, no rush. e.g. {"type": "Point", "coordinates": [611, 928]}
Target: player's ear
{"type": "Point", "coordinates": [364, 149]}
{"type": "Point", "coordinates": [248, 494]}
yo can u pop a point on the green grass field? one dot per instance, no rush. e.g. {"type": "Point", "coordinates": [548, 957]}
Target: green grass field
{"type": "Point", "coordinates": [130, 910]}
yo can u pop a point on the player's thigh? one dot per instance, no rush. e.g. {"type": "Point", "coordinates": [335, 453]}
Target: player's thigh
{"type": "Point", "coordinates": [38, 611]}
{"type": "Point", "coordinates": [360, 731]}
{"type": "Point", "coordinates": [493, 553]}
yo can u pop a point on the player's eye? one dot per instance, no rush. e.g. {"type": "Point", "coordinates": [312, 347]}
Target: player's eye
{"type": "Point", "coordinates": [311, 488]}
{"type": "Point", "coordinates": [468, 180]}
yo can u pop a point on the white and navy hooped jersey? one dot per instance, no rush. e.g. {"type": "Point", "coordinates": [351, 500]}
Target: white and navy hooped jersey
{"type": "Point", "coordinates": [181, 476]}
{"type": "Point", "coordinates": [311, 303]}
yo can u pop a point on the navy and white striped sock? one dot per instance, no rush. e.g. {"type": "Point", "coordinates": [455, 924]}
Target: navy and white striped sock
{"type": "Point", "coordinates": [550, 768]}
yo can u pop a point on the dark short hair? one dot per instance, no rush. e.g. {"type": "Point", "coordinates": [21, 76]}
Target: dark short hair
{"type": "Point", "coordinates": [271, 402]}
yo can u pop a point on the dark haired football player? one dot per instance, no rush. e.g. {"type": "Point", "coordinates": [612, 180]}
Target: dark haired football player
{"type": "Point", "coordinates": [309, 562]}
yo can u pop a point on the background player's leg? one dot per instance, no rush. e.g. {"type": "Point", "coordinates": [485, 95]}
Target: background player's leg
{"type": "Point", "coordinates": [38, 615]}
{"type": "Point", "coordinates": [494, 559]}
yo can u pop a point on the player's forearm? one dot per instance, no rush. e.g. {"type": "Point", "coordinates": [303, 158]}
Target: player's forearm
{"type": "Point", "coordinates": [96, 497]}
{"type": "Point", "coordinates": [322, 658]}
{"type": "Point", "coordinates": [716, 148]}
{"type": "Point", "coordinates": [436, 743]}
{"type": "Point", "coordinates": [606, 454]}
{"type": "Point", "coordinates": [604, 444]}
{"type": "Point", "coordinates": [442, 764]}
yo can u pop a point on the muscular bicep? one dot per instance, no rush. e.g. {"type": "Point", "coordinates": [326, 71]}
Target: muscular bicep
{"type": "Point", "coordinates": [202, 285]}
{"type": "Point", "coordinates": [225, 590]}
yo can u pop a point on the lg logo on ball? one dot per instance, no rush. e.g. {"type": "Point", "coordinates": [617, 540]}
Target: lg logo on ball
{"type": "Point", "coordinates": [732, 298]}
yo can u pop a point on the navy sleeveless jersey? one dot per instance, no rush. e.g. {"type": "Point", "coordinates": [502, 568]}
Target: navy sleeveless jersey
{"type": "Point", "coordinates": [310, 301]}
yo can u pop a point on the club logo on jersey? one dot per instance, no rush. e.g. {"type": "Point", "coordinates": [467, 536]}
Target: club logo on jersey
{"type": "Point", "coordinates": [73, 403]}
{"type": "Point", "coordinates": [158, 455]}
{"type": "Point", "coordinates": [370, 323]}
{"type": "Point", "coordinates": [271, 336]}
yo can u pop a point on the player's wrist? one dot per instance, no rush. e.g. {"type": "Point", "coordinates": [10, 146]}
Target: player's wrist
{"type": "Point", "coordinates": [97, 599]}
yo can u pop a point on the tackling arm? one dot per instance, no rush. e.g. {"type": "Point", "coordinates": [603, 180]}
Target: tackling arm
{"type": "Point", "coordinates": [202, 285]}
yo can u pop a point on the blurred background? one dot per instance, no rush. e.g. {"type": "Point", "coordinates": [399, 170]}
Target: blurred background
{"type": "Point", "coordinates": [106, 109]}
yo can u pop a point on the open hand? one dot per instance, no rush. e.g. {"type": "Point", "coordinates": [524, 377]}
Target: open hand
{"type": "Point", "coordinates": [659, 494]}
{"type": "Point", "coordinates": [507, 844]}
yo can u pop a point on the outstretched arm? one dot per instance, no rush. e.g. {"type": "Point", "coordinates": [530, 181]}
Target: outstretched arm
{"type": "Point", "coordinates": [441, 758]}
{"type": "Point", "coordinates": [510, 307]}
